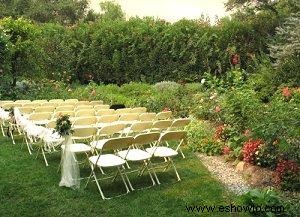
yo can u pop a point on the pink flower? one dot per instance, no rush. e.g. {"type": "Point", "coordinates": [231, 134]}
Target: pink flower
{"type": "Point", "coordinates": [247, 133]}
{"type": "Point", "coordinates": [286, 92]}
{"type": "Point", "coordinates": [217, 109]}
{"type": "Point", "coordinates": [226, 150]}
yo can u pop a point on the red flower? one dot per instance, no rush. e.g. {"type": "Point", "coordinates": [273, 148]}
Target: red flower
{"type": "Point", "coordinates": [234, 59]}
{"type": "Point", "coordinates": [249, 149]}
{"type": "Point", "coordinates": [283, 167]}
{"type": "Point", "coordinates": [226, 150]}
{"type": "Point", "coordinates": [217, 109]}
{"type": "Point", "coordinates": [286, 92]}
{"type": "Point", "coordinates": [219, 131]}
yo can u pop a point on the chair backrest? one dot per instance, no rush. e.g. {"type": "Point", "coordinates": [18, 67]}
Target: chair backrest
{"type": "Point", "coordinates": [96, 102]}
{"type": "Point", "coordinates": [123, 111]}
{"type": "Point", "coordinates": [51, 124]}
{"type": "Point", "coordinates": [111, 129]}
{"type": "Point", "coordinates": [58, 101]}
{"type": "Point", "coordinates": [99, 107]}
{"type": "Point", "coordinates": [58, 113]}
{"type": "Point", "coordinates": [105, 112]}
{"type": "Point", "coordinates": [40, 116]}
{"type": "Point", "coordinates": [108, 118]}
{"type": "Point", "coordinates": [7, 106]}
{"type": "Point", "coordinates": [84, 107]}
{"type": "Point", "coordinates": [82, 103]}
{"type": "Point", "coordinates": [65, 108]}
{"type": "Point", "coordinates": [161, 125]}
{"type": "Point", "coordinates": [85, 112]}
{"type": "Point", "coordinates": [48, 104]}
{"type": "Point", "coordinates": [34, 104]}
{"type": "Point", "coordinates": [67, 104]}
{"type": "Point", "coordinates": [164, 115]}
{"type": "Point", "coordinates": [139, 110]}
{"type": "Point", "coordinates": [180, 123]}
{"type": "Point", "coordinates": [117, 143]}
{"type": "Point", "coordinates": [139, 127]}
{"type": "Point", "coordinates": [129, 117]}
{"type": "Point", "coordinates": [179, 136]}
{"type": "Point", "coordinates": [5, 102]}
{"type": "Point", "coordinates": [146, 138]}
{"type": "Point", "coordinates": [39, 101]}
{"type": "Point", "coordinates": [84, 133]}
{"type": "Point", "coordinates": [44, 109]}
{"type": "Point", "coordinates": [85, 121]}
{"type": "Point", "coordinates": [26, 110]}
{"type": "Point", "coordinates": [71, 100]}
{"type": "Point", "coordinates": [147, 117]}
{"type": "Point", "coordinates": [22, 101]}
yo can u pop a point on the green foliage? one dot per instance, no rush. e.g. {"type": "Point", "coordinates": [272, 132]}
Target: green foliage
{"type": "Point", "coordinates": [286, 50]}
{"type": "Point", "coordinates": [240, 108]}
{"type": "Point", "coordinates": [263, 198]}
{"type": "Point", "coordinates": [23, 54]}
{"type": "Point", "coordinates": [65, 12]}
{"type": "Point", "coordinates": [200, 136]}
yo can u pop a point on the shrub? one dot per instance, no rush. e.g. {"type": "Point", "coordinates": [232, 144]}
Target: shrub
{"type": "Point", "coordinates": [287, 175]}
{"type": "Point", "coordinates": [249, 150]}
{"type": "Point", "coordinates": [201, 138]}
{"type": "Point", "coordinates": [264, 198]}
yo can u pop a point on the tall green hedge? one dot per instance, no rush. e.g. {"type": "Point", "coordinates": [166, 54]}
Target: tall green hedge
{"type": "Point", "coordinates": [120, 51]}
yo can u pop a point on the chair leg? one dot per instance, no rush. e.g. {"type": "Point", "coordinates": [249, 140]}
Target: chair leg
{"type": "Point", "coordinates": [2, 130]}
{"type": "Point", "coordinates": [98, 185]}
{"type": "Point", "coordinates": [12, 137]}
{"type": "Point", "coordinates": [178, 177]}
{"type": "Point", "coordinates": [148, 169]}
{"type": "Point", "coordinates": [153, 170]}
{"type": "Point", "coordinates": [45, 159]}
{"type": "Point", "coordinates": [127, 189]}
{"type": "Point", "coordinates": [183, 156]}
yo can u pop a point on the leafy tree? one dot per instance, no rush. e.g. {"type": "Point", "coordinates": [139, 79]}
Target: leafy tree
{"type": "Point", "coordinates": [66, 12]}
{"type": "Point", "coordinates": [22, 57]}
{"type": "Point", "coordinates": [286, 49]}
{"type": "Point", "coordinates": [111, 11]}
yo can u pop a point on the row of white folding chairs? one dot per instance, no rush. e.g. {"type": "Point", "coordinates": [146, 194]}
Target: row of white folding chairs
{"type": "Point", "coordinates": [125, 150]}
{"type": "Point", "coordinates": [55, 103]}
{"type": "Point", "coordinates": [88, 110]}
{"type": "Point", "coordinates": [107, 119]}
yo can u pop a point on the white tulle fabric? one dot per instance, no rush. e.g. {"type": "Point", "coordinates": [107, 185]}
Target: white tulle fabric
{"type": "Point", "coordinates": [70, 176]}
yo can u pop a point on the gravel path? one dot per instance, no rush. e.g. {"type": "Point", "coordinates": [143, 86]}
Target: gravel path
{"type": "Point", "coordinates": [225, 173]}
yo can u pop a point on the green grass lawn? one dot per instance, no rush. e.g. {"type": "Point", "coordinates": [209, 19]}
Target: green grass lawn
{"type": "Point", "coordinates": [29, 188]}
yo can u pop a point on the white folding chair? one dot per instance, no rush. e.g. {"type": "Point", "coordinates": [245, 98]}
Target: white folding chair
{"type": "Point", "coordinates": [136, 154]}
{"type": "Point", "coordinates": [161, 151]}
{"type": "Point", "coordinates": [164, 115]}
{"type": "Point", "coordinates": [109, 160]}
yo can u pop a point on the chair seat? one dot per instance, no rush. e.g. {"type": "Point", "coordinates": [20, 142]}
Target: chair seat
{"type": "Point", "coordinates": [78, 147]}
{"type": "Point", "coordinates": [134, 155]}
{"type": "Point", "coordinates": [107, 160]}
{"type": "Point", "coordinates": [162, 151]}
{"type": "Point", "coordinates": [98, 144]}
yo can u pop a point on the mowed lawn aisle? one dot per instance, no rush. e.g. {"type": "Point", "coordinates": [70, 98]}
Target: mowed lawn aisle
{"type": "Point", "coordinates": [28, 188]}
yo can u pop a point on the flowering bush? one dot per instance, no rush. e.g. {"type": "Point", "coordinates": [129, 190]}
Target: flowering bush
{"type": "Point", "coordinates": [287, 175]}
{"type": "Point", "coordinates": [249, 149]}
